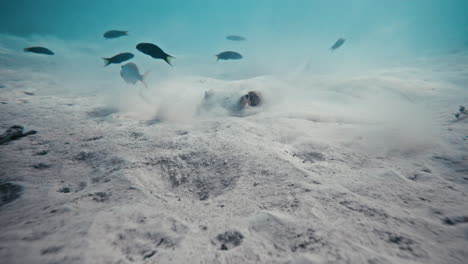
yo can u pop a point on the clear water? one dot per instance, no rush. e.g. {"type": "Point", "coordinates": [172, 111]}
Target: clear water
{"type": "Point", "coordinates": [283, 37]}
{"type": "Point", "coordinates": [274, 29]}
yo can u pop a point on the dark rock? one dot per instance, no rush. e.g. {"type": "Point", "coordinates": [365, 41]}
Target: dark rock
{"type": "Point", "coordinates": [9, 192]}
{"type": "Point", "coordinates": [93, 138]}
{"type": "Point", "coordinates": [28, 93]}
{"type": "Point", "coordinates": [13, 133]}
{"type": "Point", "coordinates": [42, 153]}
{"type": "Point", "coordinates": [164, 241]}
{"type": "Point", "coordinates": [61, 210]}
{"type": "Point", "coordinates": [41, 166]}
{"type": "Point", "coordinates": [64, 190]}
{"type": "Point", "coordinates": [230, 239]}
{"type": "Point", "coordinates": [455, 220]}
{"type": "Point", "coordinates": [149, 255]}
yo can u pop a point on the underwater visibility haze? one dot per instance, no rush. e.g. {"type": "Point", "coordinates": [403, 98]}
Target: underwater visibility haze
{"type": "Point", "coordinates": [211, 131]}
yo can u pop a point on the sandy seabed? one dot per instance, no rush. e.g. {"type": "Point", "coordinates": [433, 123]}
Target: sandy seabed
{"type": "Point", "coordinates": [359, 168]}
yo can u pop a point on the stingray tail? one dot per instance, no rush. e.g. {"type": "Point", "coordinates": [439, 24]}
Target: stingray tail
{"type": "Point", "coordinates": [143, 79]}
{"type": "Point", "coordinates": [144, 98]}
{"type": "Point", "coordinates": [106, 61]}
{"type": "Point", "coordinates": [168, 59]}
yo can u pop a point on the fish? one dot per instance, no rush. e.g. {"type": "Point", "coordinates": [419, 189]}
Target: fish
{"type": "Point", "coordinates": [155, 52]}
{"type": "Point", "coordinates": [228, 55]}
{"type": "Point", "coordinates": [338, 44]}
{"type": "Point", "coordinates": [131, 74]}
{"type": "Point", "coordinates": [39, 50]}
{"type": "Point", "coordinates": [115, 34]}
{"type": "Point", "coordinates": [119, 58]}
{"type": "Point", "coordinates": [235, 38]}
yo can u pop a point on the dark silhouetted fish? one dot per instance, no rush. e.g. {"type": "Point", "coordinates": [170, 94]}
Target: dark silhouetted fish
{"type": "Point", "coordinates": [39, 50]}
{"type": "Point", "coordinates": [228, 55]}
{"type": "Point", "coordinates": [338, 43]}
{"type": "Point", "coordinates": [155, 52]}
{"type": "Point", "coordinates": [119, 58]}
{"type": "Point", "coordinates": [235, 38]}
{"type": "Point", "coordinates": [131, 74]}
{"type": "Point", "coordinates": [115, 34]}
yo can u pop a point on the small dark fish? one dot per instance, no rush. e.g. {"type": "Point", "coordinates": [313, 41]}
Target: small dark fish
{"type": "Point", "coordinates": [338, 43]}
{"type": "Point", "coordinates": [39, 50]}
{"type": "Point", "coordinates": [115, 34]}
{"type": "Point", "coordinates": [119, 58]}
{"type": "Point", "coordinates": [228, 55]}
{"type": "Point", "coordinates": [235, 38]}
{"type": "Point", "coordinates": [155, 52]}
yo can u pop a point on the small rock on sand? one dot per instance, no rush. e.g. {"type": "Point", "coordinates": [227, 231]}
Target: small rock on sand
{"type": "Point", "coordinates": [9, 192]}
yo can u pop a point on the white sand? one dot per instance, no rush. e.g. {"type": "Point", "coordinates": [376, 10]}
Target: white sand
{"type": "Point", "coordinates": [366, 167]}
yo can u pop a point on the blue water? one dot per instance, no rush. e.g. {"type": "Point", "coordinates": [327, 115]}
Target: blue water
{"type": "Point", "coordinates": [281, 35]}
{"type": "Point", "coordinates": [199, 25]}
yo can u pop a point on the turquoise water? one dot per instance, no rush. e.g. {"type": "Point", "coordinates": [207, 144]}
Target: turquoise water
{"type": "Point", "coordinates": [282, 36]}
{"type": "Point", "coordinates": [188, 26]}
